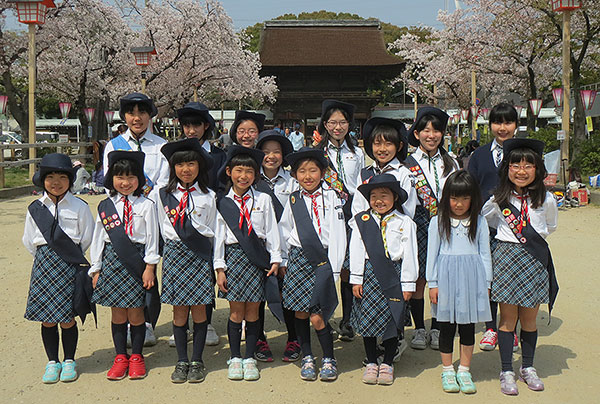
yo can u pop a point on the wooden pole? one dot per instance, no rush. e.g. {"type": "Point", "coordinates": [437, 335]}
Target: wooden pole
{"type": "Point", "coordinates": [195, 94]}
{"type": "Point", "coordinates": [566, 84]}
{"type": "Point", "coordinates": [31, 98]}
{"type": "Point", "coordinates": [143, 85]}
{"type": "Point", "coordinates": [415, 102]}
{"type": "Point", "coordinates": [473, 103]}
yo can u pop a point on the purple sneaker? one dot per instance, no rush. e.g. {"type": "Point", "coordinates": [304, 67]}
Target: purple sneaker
{"type": "Point", "coordinates": [508, 384]}
{"type": "Point", "coordinates": [529, 376]}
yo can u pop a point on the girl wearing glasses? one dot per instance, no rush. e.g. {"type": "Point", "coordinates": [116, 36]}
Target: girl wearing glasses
{"type": "Point", "coordinates": [246, 127]}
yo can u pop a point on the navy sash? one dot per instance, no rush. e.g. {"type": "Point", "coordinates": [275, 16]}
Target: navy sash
{"type": "Point", "coordinates": [424, 190]}
{"type": "Point", "coordinates": [324, 294]}
{"type": "Point", "coordinates": [535, 245]}
{"type": "Point", "coordinates": [262, 186]}
{"type": "Point", "coordinates": [366, 174]}
{"type": "Point", "coordinates": [255, 251]}
{"type": "Point", "coordinates": [384, 270]}
{"type": "Point", "coordinates": [199, 244]}
{"type": "Point", "coordinates": [129, 256]}
{"type": "Point", "coordinates": [70, 252]}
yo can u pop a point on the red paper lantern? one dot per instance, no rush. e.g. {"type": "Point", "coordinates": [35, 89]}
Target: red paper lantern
{"type": "Point", "coordinates": [588, 97]}
{"type": "Point", "coordinates": [536, 106]}
{"type": "Point", "coordinates": [143, 55]}
{"type": "Point", "coordinates": [464, 114]}
{"type": "Point", "coordinates": [3, 102]}
{"type": "Point", "coordinates": [474, 111]}
{"type": "Point", "coordinates": [485, 113]}
{"type": "Point", "coordinates": [519, 109]}
{"type": "Point", "coordinates": [565, 5]}
{"type": "Point", "coordinates": [89, 113]}
{"type": "Point", "coordinates": [33, 11]}
{"type": "Point", "coordinates": [109, 116]}
{"type": "Point", "coordinates": [65, 107]}
{"type": "Point", "coordinates": [557, 93]}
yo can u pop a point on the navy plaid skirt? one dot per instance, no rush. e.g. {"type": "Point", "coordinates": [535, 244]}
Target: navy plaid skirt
{"type": "Point", "coordinates": [371, 314]}
{"type": "Point", "coordinates": [422, 221]}
{"type": "Point", "coordinates": [51, 288]}
{"type": "Point", "coordinates": [116, 287]}
{"type": "Point", "coordinates": [186, 278]}
{"type": "Point", "coordinates": [519, 278]}
{"type": "Point", "coordinates": [245, 281]}
{"type": "Point", "coordinates": [299, 283]}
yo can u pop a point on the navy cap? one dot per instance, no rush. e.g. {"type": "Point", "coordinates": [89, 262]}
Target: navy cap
{"type": "Point", "coordinates": [137, 98]}
{"type": "Point", "coordinates": [307, 152]}
{"type": "Point", "coordinates": [398, 125]}
{"type": "Point", "coordinates": [272, 134]}
{"type": "Point", "coordinates": [197, 109]}
{"type": "Point", "coordinates": [259, 120]}
{"type": "Point", "coordinates": [136, 156]}
{"type": "Point", "coordinates": [384, 181]}
{"type": "Point", "coordinates": [335, 104]}
{"type": "Point", "coordinates": [190, 144]}
{"type": "Point", "coordinates": [235, 150]}
{"type": "Point", "coordinates": [441, 115]}
{"type": "Point", "coordinates": [518, 143]}
{"type": "Point", "coordinates": [54, 162]}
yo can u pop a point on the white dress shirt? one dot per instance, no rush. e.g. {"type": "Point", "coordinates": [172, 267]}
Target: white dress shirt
{"type": "Point", "coordinates": [353, 163]}
{"type": "Point", "coordinates": [74, 218]}
{"type": "Point", "coordinates": [404, 177]}
{"type": "Point", "coordinates": [496, 150]}
{"type": "Point", "coordinates": [333, 227]}
{"type": "Point", "coordinates": [283, 184]}
{"type": "Point", "coordinates": [423, 160]}
{"type": "Point", "coordinates": [145, 230]}
{"type": "Point", "coordinates": [543, 219]}
{"type": "Point", "coordinates": [401, 240]}
{"type": "Point", "coordinates": [264, 224]}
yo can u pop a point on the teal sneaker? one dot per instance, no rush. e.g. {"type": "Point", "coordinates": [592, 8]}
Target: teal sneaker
{"type": "Point", "coordinates": [251, 371]}
{"type": "Point", "coordinates": [235, 370]}
{"type": "Point", "coordinates": [449, 383]}
{"type": "Point", "coordinates": [69, 371]}
{"type": "Point", "coordinates": [52, 374]}
{"type": "Point", "coordinates": [465, 382]}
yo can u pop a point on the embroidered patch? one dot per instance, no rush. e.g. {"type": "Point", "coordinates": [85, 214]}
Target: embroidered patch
{"type": "Point", "coordinates": [104, 221]}
{"type": "Point", "coordinates": [173, 211]}
{"type": "Point", "coordinates": [109, 219]}
{"type": "Point", "coordinates": [365, 217]}
{"type": "Point", "coordinates": [107, 227]}
{"type": "Point", "coordinates": [506, 212]}
{"type": "Point", "coordinates": [115, 216]}
{"type": "Point", "coordinates": [293, 199]}
{"type": "Point", "coordinates": [523, 240]}
{"type": "Point", "coordinates": [112, 225]}
{"type": "Point", "coordinates": [117, 222]}
{"type": "Point", "coordinates": [102, 215]}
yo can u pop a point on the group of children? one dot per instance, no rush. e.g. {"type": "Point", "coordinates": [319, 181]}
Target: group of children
{"type": "Point", "coordinates": [264, 234]}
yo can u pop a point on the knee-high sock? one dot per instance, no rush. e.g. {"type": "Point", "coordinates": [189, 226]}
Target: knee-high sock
{"type": "Point", "coordinates": [303, 331]}
{"type": "Point", "coordinates": [69, 341]}
{"type": "Point", "coordinates": [261, 322]}
{"type": "Point", "coordinates": [528, 343]}
{"type": "Point", "coordinates": [199, 340]}
{"type": "Point", "coordinates": [252, 328]}
{"type": "Point", "coordinates": [209, 311]}
{"type": "Point", "coordinates": [234, 333]}
{"type": "Point", "coordinates": [389, 350]}
{"type": "Point", "coordinates": [370, 348]}
{"type": "Point", "coordinates": [138, 334]}
{"type": "Point", "coordinates": [50, 340]}
{"type": "Point", "coordinates": [290, 324]}
{"type": "Point", "coordinates": [326, 341]}
{"type": "Point", "coordinates": [119, 334]}
{"type": "Point", "coordinates": [505, 345]}
{"type": "Point", "coordinates": [180, 334]}
{"type": "Point", "coordinates": [346, 293]}
{"type": "Point", "coordinates": [417, 307]}
{"type": "Point", "coordinates": [493, 324]}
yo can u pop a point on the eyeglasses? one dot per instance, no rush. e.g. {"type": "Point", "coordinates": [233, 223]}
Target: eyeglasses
{"type": "Point", "coordinates": [518, 167]}
{"type": "Point", "coordinates": [242, 132]}
{"type": "Point", "coordinates": [333, 124]}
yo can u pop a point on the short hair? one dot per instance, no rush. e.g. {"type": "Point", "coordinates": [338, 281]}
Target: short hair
{"type": "Point", "coordinates": [299, 162]}
{"type": "Point", "coordinates": [502, 113]}
{"type": "Point", "coordinates": [183, 156]}
{"type": "Point", "coordinates": [127, 167]}
{"type": "Point", "coordinates": [142, 107]}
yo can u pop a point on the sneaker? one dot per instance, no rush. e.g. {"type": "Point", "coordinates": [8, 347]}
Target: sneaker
{"type": "Point", "coordinates": [529, 376]}
{"type": "Point", "coordinates": [212, 338]}
{"type": "Point", "coordinates": [516, 343]}
{"type": "Point", "coordinates": [386, 374]}
{"type": "Point", "coordinates": [119, 368]}
{"type": "Point", "coordinates": [52, 373]}
{"type": "Point", "coordinates": [346, 332]}
{"type": "Point", "coordinates": [419, 339]}
{"type": "Point", "coordinates": [251, 371]}
{"type": "Point", "coordinates": [235, 370]}
{"type": "Point", "coordinates": [465, 381]}
{"type": "Point", "coordinates": [328, 370]}
{"type": "Point", "coordinates": [196, 373]}
{"type": "Point", "coordinates": [149, 338]}
{"type": "Point", "coordinates": [69, 371]}
{"type": "Point", "coordinates": [292, 351]}
{"type": "Point", "coordinates": [489, 340]}
{"type": "Point", "coordinates": [449, 383]}
{"type": "Point", "coordinates": [180, 374]}
{"type": "Point", "coordinates": [508, 385]}
{"type": "Point", "coordinates": [308, 371]}
{"type": "Point", "coordinates": [380, 352]}
{"type": "Point", "coordinates": [434, 338]}
{"type": "Point", "coordinates": [263, 352]}
{"type": "Point", "coordinates": [172, 344]}
{"type": "Point", "coordinates": [137, 367]}
{"type": "Point", "coordinates": [370, 373]}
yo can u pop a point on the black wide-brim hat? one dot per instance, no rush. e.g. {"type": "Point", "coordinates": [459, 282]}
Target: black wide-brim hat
{"type": "Point", "coordinates": [384, 181]}
{"type": "Point", "coordinates": [197, 109]}
{"type": "Point", "coordinates": [398, 125]}
{"type": "Point", "coordinates": [136, 156]}
{"type": "Point", "coordinates": [519, 143]}
{"type": "Point", "coordinates": [52, 163]}
{"type": "Point", "coordinates": [305, 153]}
{"type": "Point", "coordinates": [335, 104]}
{"type": "Point", "coordinates": [272, 134]}
{"type": "Point", "coordinates": [136, 98]}
{"type": "Point", "coordinates": [240, 116]}
{"type": "Point", "coordinates": [441, 115]}
{"type": "Point", "coordinates": [235, 150]}
{"type": "Point", "coordinates": [191, 144]}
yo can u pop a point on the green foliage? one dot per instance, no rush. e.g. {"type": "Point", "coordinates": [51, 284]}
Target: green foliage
{"type": "Point", "coordinates": [548, 136]}
{"type": "Point", "coordinates": [16, 176]}
{"type": "Point", "coordinates": [588, 160]}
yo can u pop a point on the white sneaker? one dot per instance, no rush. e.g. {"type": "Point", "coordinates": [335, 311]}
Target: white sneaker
{"type": "Point", "coordinates": [212, 338]}
{"type": "Point", "coordinates": [419, 339]}
{"type": "Point", "coordinates": [434, 338]}
{"type": "Point", "coordinates": [149, 338]}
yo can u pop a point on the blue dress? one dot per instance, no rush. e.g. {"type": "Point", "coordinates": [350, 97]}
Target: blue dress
{"type": "Point", "coordinates": [462, 272]}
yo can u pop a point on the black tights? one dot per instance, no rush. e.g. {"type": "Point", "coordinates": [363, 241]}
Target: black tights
{"type": "Point", "coordinates": [447, 332]}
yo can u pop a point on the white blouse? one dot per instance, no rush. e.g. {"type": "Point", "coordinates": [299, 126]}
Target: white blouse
{"type": "Point", "coordinates": [428, 170]}
{"type": "Point", "coordinates": [283, 185]}
{"type": "Point", "coordinates": [352, 162]}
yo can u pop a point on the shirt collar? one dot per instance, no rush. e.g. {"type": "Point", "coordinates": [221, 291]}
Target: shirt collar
{"type": "Point", "coordinates": [206, 146]}
{"type": "Point", "coordinates": [496, 145]}
{"type": "Point", "coordinates": [231, 194]}
{"type": "Point", "coordinates": [132, 198]}
{"type": "Point", "coordinates": [194, 185]}
{"type": "Point", "coordinates": [280, 174]}
{"type": "Point", "coordinates": [66, 200]}
{"type": "Point", "coordinates": [319, 189]}
{"type": "Point", "coordinates": [330, 145]}
{"type": "Point", "coordinates": [393, 214]}
{"type": "Point", "coordinates": [456, 222]}
{"type": "Point", "coordinates": [394, 163]}
{"type": "Point", "coordinates": [129, 136]}
{"type": "Point", "coordinates": [420, 154]}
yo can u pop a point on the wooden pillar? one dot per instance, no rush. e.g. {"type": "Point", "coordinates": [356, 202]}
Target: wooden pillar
{"type": "Point", "coordinates": [31, 98]}
{"type": "Point", "coordinates": [566, 84]}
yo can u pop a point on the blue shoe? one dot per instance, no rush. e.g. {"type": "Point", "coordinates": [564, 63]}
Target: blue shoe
{"type": "Point", "coordinates": [69, 371]}
{"type": "Point", "coordinates": [52, 374]}
{"type": "Point", "coordinates": [328, 370]}
{"type": "Point", "coordinates": [308, 371]}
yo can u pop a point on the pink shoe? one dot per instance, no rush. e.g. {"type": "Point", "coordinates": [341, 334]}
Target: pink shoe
{"type": "Point", "coordinates": [370, 373]}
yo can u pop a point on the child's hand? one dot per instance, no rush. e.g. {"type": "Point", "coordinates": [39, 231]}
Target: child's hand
{"type": "Point", "coordinates": [274, 268]}
{"type": "Point", "coordinates": [489, 293]}
{"type": "Point", "coordinates": [95, 279]}
{"type": "Point", "coordinates": [148, 276]}
{"type": "Point", "coordinates": [407, 296]}
{"type": "Point", "coordinates": [357, 291]}
{"type": "Point", "coordinates": [222, 280]}
{"type": "Point", "coordinates": [433, 295]}
{"type": "Point", "coordinates": [281, 272]}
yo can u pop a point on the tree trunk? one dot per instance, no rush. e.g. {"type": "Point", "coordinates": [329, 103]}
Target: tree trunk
{"type": "Point", "coordinates": [17, 104]}
{"type": "Point", "coordinates": [579, 124]}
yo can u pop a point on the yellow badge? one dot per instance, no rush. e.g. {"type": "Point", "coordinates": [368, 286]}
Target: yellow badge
{"type": "Point", "coordinates": [293, 199]}
{"type": "Point", "coordinates": [506, 212]}
{"type": "Point", "coordinates": [173, 211]}
{"type": "Point", "coordinates": [104, 221]}
{"type": "Point", "coordinates": [365, 217]}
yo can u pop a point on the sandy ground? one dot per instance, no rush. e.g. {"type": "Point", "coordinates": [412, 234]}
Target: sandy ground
{"type": "Point", "coordinates": [567, 357]}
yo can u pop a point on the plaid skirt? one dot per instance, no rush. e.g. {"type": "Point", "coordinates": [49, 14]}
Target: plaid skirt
{"type": "Point", "coordinates": [186, 278]}
{"type": "Point", "coordinates": [422, 221]}
{"type": "Point", "coordinates": [371, 314]}
{"type": "Point", "coordinates": [245, 281]}
{"type": "Point", "coordinates": [116, 287]}
{"type": "Point", "coordinates": [519, 278]}
{"type": "Point", "coordinates": [299, 283]}
{"type": "Point", "coordinates": [51, 288]}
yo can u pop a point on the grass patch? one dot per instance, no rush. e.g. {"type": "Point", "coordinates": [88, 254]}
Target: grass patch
{"type": "Point", "coordinates": [16, 177]}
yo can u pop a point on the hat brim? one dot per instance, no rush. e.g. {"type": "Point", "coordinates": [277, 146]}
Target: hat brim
{"type": "Point", "coordinates": [518, 143]}
{"type": "Point", "coordinates": [125, 103]}
{"type": "Point", "coordinates": [394, 186]}
{"type": "Point", "coordinates": [442, 116]}
{"type": "Point", "coordinates": [192, 111]}
{"type": "Point", "coordinates": [235, 150]}
{"type": "Point", "coordinates": [286, 144]}
{"type": "Point", "coordinates": [301, 154]}
{"type": "Point", "coordinates": [116, 155]}
{"type": "Point", "coordinates": [335, 104]}
{"type": "Point", "coordinates": [242, 115]}
{"type": "Point", "coordinates": [398, 125]}
{"type": "Point", "coordinates": [191, 144]}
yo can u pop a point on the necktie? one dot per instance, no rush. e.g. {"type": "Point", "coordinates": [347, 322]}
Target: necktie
{"type": "Point", "coordinates": [499, 155]}
{"type": "Point", "coordinates": [383, 221]}
{"type": "Point", "coordinates": [270, 182]}
{"type": "Point", "coordinates": [127, 216]}
{"type": "Point", "coordinates": [139, 143]}
{"type": "Point", "coordinates": [432, 161]}
{"type": "Point", "coordinates": [313, 197]}
{"type": "Point", "coordinates": [183, 203]}
{"type": "Point", "coordinates": [244, 214]}
{"type": "Point", "coordinates": [383, 170]}
{"type": "Point", "coordinates": [524, 210]}
{"type": "Point", "coordinates": [339, 162]}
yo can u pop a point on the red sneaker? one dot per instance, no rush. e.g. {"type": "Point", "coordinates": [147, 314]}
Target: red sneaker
{"type": "Point", "coordinates": [137, 367]}
{"type": "Point", "coordinates": [489, 340]}
{"type": "Point", "coordinates": [516, 343]}
{"type": "Point", "coordinates": [119, 368]}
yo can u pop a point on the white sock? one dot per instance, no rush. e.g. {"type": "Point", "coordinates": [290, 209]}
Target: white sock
{"type": "Point", "coordinates": [462, 368]}
{"type": "Point", "coordinates": [447, 368]}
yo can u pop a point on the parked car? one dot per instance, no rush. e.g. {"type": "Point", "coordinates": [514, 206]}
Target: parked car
{"type": "Point", "coordinates": [11, 138]}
